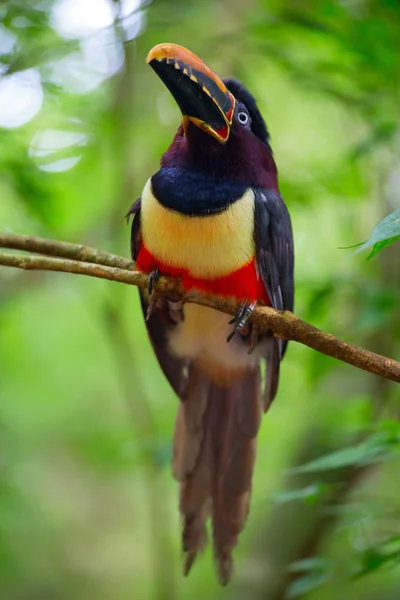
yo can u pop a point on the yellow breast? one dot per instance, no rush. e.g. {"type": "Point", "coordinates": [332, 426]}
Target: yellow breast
{"type": "Point", "coordinates": [208, 246]}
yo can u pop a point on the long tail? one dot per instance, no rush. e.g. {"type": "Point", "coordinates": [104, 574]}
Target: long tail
{"type": "Point", "coordinates": [214, 454]}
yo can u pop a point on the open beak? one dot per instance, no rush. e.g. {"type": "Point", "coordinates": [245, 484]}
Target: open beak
{"type": "Point", "coordinates": [201, 95]}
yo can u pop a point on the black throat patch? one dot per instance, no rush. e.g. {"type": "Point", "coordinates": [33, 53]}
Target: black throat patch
{"type": "Point", "coordinates": [194, 194]}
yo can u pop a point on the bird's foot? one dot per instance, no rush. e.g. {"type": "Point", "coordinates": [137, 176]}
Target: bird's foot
{"type": "Point", "coordinates": [254, 337]}
{"type": "Point", "coordinates": [170, 306]}
{"type": "Point", "coordinates": [151, 306]}
{"type": "Point", "coordinates": [153, 297]}
{"type": "Point", "coordinates": [241, 318]}
{"type": "Point", "coordinates": [153, 278]}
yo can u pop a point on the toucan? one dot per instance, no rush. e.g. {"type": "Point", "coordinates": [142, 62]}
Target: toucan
{"type": "Point", "coordinates": [212, 216]}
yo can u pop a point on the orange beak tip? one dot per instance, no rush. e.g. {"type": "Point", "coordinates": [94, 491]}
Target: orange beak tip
{"type": "Point", "coordinates": [163, 51]}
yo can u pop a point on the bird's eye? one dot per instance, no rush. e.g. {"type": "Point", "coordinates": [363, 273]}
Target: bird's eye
{"type": "Point", "coordinates": [243, 117]}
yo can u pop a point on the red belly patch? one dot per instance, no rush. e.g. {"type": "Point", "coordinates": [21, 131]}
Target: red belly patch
{"type": "Point", "coordinates": [241, 284]}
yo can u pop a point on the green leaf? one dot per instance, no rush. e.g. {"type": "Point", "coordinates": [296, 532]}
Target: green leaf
{"type": "Point", "coordinates": [338, 459]}
{"type": "Point", "coordinates": [315, 563]}
{"type": "Point", "coordinates": [374, 558]}
{"type": "Point", "coordinates": [385, 233]}
{"type": "Point", "coordinates": [381, 245]}
{"type": "Point", "coordinates": [316, 574]}
{"type": "Point", "coordinates": [377, 447]}
{"type": "Point", "coordinates": [306, 584]}
{"type": "Point", "coordinates": [309, 494]}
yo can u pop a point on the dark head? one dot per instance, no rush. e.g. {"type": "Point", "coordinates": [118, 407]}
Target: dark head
{"type": "Point", "coordinates": [222, 133]}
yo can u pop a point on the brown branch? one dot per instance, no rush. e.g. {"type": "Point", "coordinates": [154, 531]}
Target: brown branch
{"type": "Point", "coordinates": [40, 245]}
{"type": "Point", "coordinates": [108, 266]}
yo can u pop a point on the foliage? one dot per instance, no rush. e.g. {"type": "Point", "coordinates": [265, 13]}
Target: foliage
{"type": "Point", "coordinates": [314, 573]}
{"type": "Point", "coordinates": [383, 445]}
{"type": "Point", "coordinates": [385, 233]}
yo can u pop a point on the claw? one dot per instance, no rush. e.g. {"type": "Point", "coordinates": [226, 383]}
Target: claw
{"type": "Point", "coordinates": [153, 277]}
{"type": "Point", "coordinates": [175, 310]}
{"type": "Point", "coordinates": [238, 315]}
{"type": "Point", "coordinates": [150, 308]}
{"type": "Point", "coordinates": [241, 318]}
{"type": "Point", "coordinates": [253, 339]}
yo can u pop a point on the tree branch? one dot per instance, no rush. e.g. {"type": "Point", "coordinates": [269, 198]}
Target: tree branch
{"type": "Point", "coordinates": [48, 247]}
{"type": "Point", "coordinates": [74, 258]}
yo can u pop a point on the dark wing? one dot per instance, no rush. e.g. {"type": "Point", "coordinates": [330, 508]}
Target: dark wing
{"type": "Point", "coordinates": [274, 248]}
{"type": "Point", "coordinates": [164, 316]}
{"type": "Point", "coordinates": [136, 234]}
{"type": "Point", "coordinates": [275, 261]}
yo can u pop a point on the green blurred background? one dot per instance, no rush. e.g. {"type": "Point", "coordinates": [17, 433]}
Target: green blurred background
{"type": "Point", "coordinates": [88, 506]}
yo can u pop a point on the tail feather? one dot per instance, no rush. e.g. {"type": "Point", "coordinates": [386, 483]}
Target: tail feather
{"type": "Point", "coordinates": [232, 481]}
{"type": "Point", "coordinates": [192, 465]}
{"type": "Point", "coordinates": [214, 454]}
{"type": "Point", "coordinates": [195, 508]}
{"type": "Point", "coordinates": [189, 426]}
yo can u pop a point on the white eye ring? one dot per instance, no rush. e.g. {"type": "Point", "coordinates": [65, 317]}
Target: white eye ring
{"type": "Point", "coordinates": [243, 117]}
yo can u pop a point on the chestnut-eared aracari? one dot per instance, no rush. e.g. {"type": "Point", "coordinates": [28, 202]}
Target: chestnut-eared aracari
{"type": "Point", "coordinates": [213, 217]}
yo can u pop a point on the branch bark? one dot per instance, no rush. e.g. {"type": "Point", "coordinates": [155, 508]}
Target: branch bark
{"type": "Point", "coordinates": [83, 260]}
{"type": "Point", "coordinates": [48, 247]}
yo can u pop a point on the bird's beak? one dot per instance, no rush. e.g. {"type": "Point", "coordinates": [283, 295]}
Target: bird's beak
{"type": "Point", "coordinates": [201, 95]}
